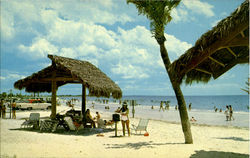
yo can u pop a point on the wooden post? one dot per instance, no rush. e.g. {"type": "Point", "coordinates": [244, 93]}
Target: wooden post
{"type": "Point", "coordinates": [133, 110]}
{"type": "Point", "coordinates": [83, 99]}
{"type": "Point", "coordinates": [53, 100]}
{"type": "Point", "coordinates": [115, 128]}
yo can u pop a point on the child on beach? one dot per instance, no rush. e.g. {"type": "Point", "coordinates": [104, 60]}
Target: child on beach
{"type": "Point", "coordinates": [193, 119]}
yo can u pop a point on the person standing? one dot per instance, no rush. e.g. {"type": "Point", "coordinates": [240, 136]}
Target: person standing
{"type": "Point", "coordinates": [161, 106]}
{"type": "Point", "coordinates": [1, 107]}
{"type": "Point", "coordinates": [190, 106]}
{"type": "Point", "coordinates": [124, 118]}
{"type": "Point", "coordinates": [227, 113]}
{"type": "Point", "coordinates": [3, 111]}
{"type": "Point", "coordinates": [13, 105]}
{"type": "Point", "coordinates": [231, 113]}
{"type": "Point", "coordinates": [167, 105]}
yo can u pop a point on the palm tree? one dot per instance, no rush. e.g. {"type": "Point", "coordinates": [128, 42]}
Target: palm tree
{"type": "Point", "coordinates": [158, 12]}
{"type": "Point", "coordinates": [247, 86]}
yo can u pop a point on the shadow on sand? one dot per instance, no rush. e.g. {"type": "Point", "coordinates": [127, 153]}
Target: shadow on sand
{"type": "Point", "coordinates": [62, 131]}
{"type": "Point", "coordinates": [234, 138]}
{"type": "Point", "coordinates": [137, 145]}
{"type": "Point", "coordinates": [217, 154]}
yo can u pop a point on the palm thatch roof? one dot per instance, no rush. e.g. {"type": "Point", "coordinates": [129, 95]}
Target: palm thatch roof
{"type": "Point", "coordinates": [217, 51]}
{"type": "Point", "coordinates": [66, 70]}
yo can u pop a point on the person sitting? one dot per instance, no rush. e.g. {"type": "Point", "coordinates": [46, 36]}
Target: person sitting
{"type": "Point", "coordinates": [193, 119]}
{"type": "Point", "coordinates": [89, 119]}
{"type": "Point", "coordinates": [98, 116]}
{"type": "Point", "coordinates": [110, 122]}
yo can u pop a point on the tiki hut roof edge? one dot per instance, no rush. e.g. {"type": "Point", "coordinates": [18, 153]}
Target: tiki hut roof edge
{"type": "Point", "coordinates": [217, 50]}
{"type": "Point", "coordinates": [66, 70]}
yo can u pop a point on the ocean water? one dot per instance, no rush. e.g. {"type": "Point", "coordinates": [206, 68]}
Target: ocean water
{"type": "Point", "coordinates": [202, 108]}
{"type": "Point", "coordinates": [238, 102]}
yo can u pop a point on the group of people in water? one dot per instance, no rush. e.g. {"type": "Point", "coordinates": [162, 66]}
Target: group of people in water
{"type": "Point", "coordinates": [3, 109]}
{"type": "Point", "coordinates": [228, 112]}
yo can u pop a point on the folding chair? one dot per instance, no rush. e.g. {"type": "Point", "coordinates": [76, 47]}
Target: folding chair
{"type": "Point", "coordinates": [33, 121]}
{"type": "Point", "coordinates": [142, 125]}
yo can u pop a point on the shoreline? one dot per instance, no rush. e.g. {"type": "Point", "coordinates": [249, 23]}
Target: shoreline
{"type": "Point", "coordinates": [165, 139]}
{"type": "Point", "coordinates": [107, 117]}
{"type": "Point", "coordinates": [203, 117]}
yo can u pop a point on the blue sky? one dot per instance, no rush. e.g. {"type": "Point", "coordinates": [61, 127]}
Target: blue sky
{"type": "Point", "coordinates": [111, 35]}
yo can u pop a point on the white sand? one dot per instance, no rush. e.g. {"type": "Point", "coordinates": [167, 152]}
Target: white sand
{"type": "Point", "coordinates": [164, 140]}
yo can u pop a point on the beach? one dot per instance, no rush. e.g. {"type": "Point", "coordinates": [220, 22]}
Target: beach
{"type": "Point", "coordinates": [165, 139]}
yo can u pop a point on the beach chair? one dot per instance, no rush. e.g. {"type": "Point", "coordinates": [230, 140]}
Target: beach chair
{"type": "Point", "coordinates": [142, 125]}
{"type": "Point", "coordinates": [33, 121]}
{"type": "Point", "coordinates": [70, 123]}
{"type": "Point", "coordinates": [73, 126]}
{"type": "Point", "coordinates": [48, 125]}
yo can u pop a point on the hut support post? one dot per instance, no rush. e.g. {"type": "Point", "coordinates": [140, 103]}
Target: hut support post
{"type": "Point", "coordinates": [83, 99]}
{"type": "Point", "coordinates": [53, 100]}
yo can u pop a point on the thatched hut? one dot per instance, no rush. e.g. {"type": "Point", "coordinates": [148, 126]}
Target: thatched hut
{"type": "Point", "coordinates": [217, 51]}
{"type": "Point", "coordinates": [66, 70]}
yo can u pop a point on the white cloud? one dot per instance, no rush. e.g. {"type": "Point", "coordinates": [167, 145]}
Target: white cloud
{"type": "Point", "coordinates": [129, 53]}
{"type": "Point", "coordinates": [39, 48]}
{"type": "Point", "coordinates": [86, 49]}
{"type": "Point", "coordinates": [2, 78]}
{"type": "Point", "coordinates": [215, 86]}
{"type": "Point", "coordinates": [12, 76]}
{"type": "Point", "coordinates": [199, 7]}
{"type": "Point", "coordinates": [186, 10]}
{"type": "Point", "coordinates": [179, 15]}
{"type": "Point", "coordinates": [68, 52]}
{"type": "Point", "coordinates": [129, 71]}
{"type": "Point", "coordinates": [7, 26]}
{"type": "Point", "coordinates": [175, 45]}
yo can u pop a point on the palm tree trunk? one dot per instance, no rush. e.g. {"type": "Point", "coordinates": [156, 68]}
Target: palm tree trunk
{"type": "Point", "coordinates": [179, 96]}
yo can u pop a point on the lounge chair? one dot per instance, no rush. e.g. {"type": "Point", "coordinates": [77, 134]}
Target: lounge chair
{"type": "Point", "coordinates": [73, 126]}
{"type": "Point", "coordinates": [33, 121]}
{"type": "Point", "coordinates": [48, 125]}
{"type": "Point", "coordinates": [70, 123]}
{"type": "Point", "coordinates": [142, 125]}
